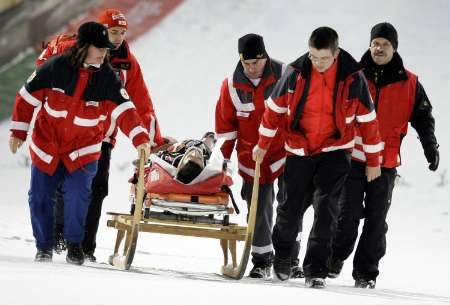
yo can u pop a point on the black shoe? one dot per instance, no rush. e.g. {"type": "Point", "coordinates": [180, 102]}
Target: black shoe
{"type": "Point", "coordinates": [43, 255]}
{"type": "Point", "coordinates": [75, 254]}
{"type": "Point", "coordinates": [90, 257]}
{"type": "Point", "coordinates": [60, 243]}
{"type": "Point", "coordinates": [334, 267]}
{"type": "Point", "coordinates": [282, 268]}
{"type": "Point", "coordinates": [315, 282]}
{"type": "Point", "coordinates": [365, 283]}
{"type": "Point", "coordinates": [297, 272]}
{"type": "Point", "coordinates": [261, 272]}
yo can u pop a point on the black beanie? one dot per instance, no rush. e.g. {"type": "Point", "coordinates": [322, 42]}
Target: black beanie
{"type": "Point", "coordinates": [94, 33]}
{"type": "Point", "coordinates": [251, 46]}
{"type": "Point", "coordinates": [385, 30]}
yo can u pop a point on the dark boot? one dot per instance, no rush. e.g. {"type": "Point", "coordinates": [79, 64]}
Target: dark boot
{"type": "Point", "coordinates": [43, 255]}
{"type": "Point", "coordinates": [296, 270]}
{"type": "Point", "coordinates": [75, 254]}
{"type": "Point", "coordinates": [90, 257]}
{"type": "Point", "coordinates": [365, 283]}
{"type": "Point", "coordinates": [261, 272]}
{"type": "Point", "coordinates": [282, 268]}
{"type": "Point", "coordinates": [315, 282]}
{"type": "Point", "coordinates": [334, 267]}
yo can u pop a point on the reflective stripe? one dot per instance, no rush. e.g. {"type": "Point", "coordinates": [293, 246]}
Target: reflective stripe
{"type": "Point", "coordinates": [296, 151]}
{"type": "Point", "coordinates": [290, 91]}
{"type": "Point", "coordinates": [248, 171]}
{"type": "Point", "coordinates": [121, 109]}
{"type": "Point", "coordinates": [344, 146]}
{"type": "Point", "coordinates": [267, 132]}
{"type": "Point", "coordinates": [107, 140]}
{"type": "Point", "coordinates": [136, 130]}
{"type": "Point", "coordinates": [358, 140]}
{"type": "Point", "coordinates": [55, 113]}
{"type": "Point", "coordinates": [262, 250]}
{"type": "Point", "coordinates": [88, 122]}
{"type": "Point", "coordinates": [152, 131]}
{"type": "Point", "coordinates": [366, 117]}
{"type": "Point", "coordinates": [283, 68]}
{"type": "Point", "coordinates": [19, 126]}
{"type": "Point", "coordinates": [124, 77]}
{"type": "Point", "coordinates": [85, 151]}
{"type": "Point", "coordinates": [243, 114]}
{"type": "Point", "coordinates": [59, 90]}
{"type": "Point", "coordinates": [275, 107]}
{"type": "Point", "coordinates": [373, 148]}
{"type": "Point", "coordinates": [29, 98]}
{"type": "Point", "coordinates": [228, 135]}
{"type": "Point", "coordinates": [349, 119]}
{"type": "Point", "coordinates": [236, 100]}
{"type": "Point", "coordinates": [358, 154]}
{"type": "Point", "coordinates": [41, 154]}
{"type": "Point", "coordinates": [275, 166]}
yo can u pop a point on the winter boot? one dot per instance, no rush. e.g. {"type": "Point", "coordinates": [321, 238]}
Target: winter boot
{"type": "Point", "coordinates": [261, 271]}
{"type": "Point", "coordinates": [365, 283]}
{"type": "Point", "coordinates": [89, 256]}
{"type": "Point", "coordinates": [315, 282]}
{"type": "Point", "coordinates": [74, 254]}
{"type": "Point", "coordinates": [282, 268]}
{"type": "Point", "coordinates": [296, 270]}
{"type": "Point", "coordinates": [43, 255]}
{"type": "Point", "coordinates": [60, 243]}
{"type": "Point", "coordinates": [334, 267]}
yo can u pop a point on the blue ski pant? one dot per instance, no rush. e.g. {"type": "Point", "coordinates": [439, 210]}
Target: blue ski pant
{"type": "Point", "coordinates": [76, 188]}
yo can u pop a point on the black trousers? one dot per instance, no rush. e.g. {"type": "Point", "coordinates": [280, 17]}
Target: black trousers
{"type": "Point", "coordinates": [326, 172]}
{"type": "Point", "coordinates": [99, 192]}
{"type": "Point", "coordinates": [371, 201]}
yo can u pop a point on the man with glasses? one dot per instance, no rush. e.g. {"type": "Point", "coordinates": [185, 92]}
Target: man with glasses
{"type": "Point", "coordinates": [399, 98]}
{"type": "Point", "coordinates": [319, 101]}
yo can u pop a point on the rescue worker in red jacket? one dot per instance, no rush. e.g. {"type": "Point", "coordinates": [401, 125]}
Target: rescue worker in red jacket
{"type": "Point", "coordinates": [78, 92]}
{"type": "Point", "coordinates": [238, 114]}
{"type": "Point", "coordinates": [399, 98]}
{"type": "Point", "coordinates": [319, 100]}
{"type": "Point", "coordinates": [129, 70]}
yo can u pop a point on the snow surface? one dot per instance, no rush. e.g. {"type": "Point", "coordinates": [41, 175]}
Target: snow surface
{"type": "Point", "coordinates": [184, 61]}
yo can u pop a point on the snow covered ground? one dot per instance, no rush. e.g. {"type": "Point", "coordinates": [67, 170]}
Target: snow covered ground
{"type": "Point", "coordinates": [184, 61]}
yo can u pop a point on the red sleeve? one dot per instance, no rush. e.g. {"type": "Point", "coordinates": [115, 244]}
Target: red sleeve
{"type": "Point", "coordinates": [127, 118]}
{"type": "Point", "coordinates": [226, 121]}
{"type": "Point", "coordinates": [139, 93]}
{"type": "Point", "coordinates": [24, 106]}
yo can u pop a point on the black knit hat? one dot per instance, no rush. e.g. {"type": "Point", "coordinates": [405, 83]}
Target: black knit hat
{"type": "Point", "coordinates": [385, 30]}
{"type": "Point", "coordinates": [251, 46]}
{"type": "Point", "coordinates": [95, 34]}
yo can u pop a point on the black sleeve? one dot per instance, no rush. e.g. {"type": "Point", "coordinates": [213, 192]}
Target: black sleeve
{"type": "Point", "coordinates": [116, 93]}
{"type": "Point", "coordinates": [40, 78]}
{"type": "Point", "coordinates": [421, 119]}
{"type": "Point", "coordinates": [359, 89]}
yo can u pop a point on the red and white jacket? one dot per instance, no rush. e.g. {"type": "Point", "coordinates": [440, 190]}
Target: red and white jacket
{"type": "Point", "coordinates": [239, 111]}
{"type": "Point", "coordinates": [399, 98]}
{"type": "Point", "coordinates": [352, 106]}
{"type": "Point", "coordinates": [128, 69]}
{"type": "Point", "coordinates": [75, 105]}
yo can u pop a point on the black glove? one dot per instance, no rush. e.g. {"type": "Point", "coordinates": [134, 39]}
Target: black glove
{"type": "Point", "coordinates": [432, 155]}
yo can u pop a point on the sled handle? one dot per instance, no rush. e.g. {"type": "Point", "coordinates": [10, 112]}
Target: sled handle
{"type": "Point", "coordinates": [140, 189]}
{"type": "Point", "coordinates": [254, 201]}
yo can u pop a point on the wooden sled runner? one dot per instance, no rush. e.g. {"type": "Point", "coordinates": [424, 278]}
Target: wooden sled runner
{"type": "Point", "coordinates": [128, 227]}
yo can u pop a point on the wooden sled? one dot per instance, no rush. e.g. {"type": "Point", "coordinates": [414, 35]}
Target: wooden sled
{"type": "Point", "coordinates": [128, 227]}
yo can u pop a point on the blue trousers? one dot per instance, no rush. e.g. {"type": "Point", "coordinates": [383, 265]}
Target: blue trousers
{"type": "Point", "coordinates": [76, 188]}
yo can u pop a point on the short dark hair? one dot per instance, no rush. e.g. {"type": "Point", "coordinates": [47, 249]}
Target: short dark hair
{"type": "Point", "coordinates": [324, 38]}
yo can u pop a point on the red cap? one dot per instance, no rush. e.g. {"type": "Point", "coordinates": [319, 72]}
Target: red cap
{"type": "Point", "coordinates": [112, 18]}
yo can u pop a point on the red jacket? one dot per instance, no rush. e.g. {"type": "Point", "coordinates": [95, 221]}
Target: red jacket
{"type": "Point", "coordinates": [75, 105]}
{"type": "Point", "coordinates": [129, 71]}
{"type": "Point", "coordinates": [399, 98]}
{"type": "Point", "coordinates": [352, 105]}
{"type": "Point", "coordinates": [238, 115]}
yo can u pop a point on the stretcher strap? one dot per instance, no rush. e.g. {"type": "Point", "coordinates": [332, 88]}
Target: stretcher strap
{"type": "Point", "coordinates": [227, 189]}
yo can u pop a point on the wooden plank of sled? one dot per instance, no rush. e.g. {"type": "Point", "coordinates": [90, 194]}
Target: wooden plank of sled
{"type": "Point", "coordinates": [190, 231]}
{"type": "Point", "coordinates": [124, 262]}
{"type": "Point", "coordinates": [192, 224]}
{"type": "Point", "coordinates": [238, 272]}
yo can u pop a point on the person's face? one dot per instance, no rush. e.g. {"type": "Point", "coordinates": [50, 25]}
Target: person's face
{"type": "Point", "coordinates": [381, 51]}
{"type": "Point", "coordinates": [254, 68]}
{"type": "Point", "coordinates": [117, 35]}
{"type": "Point", "coordinates": [95, 56]}
{"type": "Point", "coordinates": [322, 59]}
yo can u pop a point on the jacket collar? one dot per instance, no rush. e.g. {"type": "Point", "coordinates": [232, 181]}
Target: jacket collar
{"type": "Point", "coordinates": [382, 75]}
{"type": "Point", "coordinates": [240, 78]}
